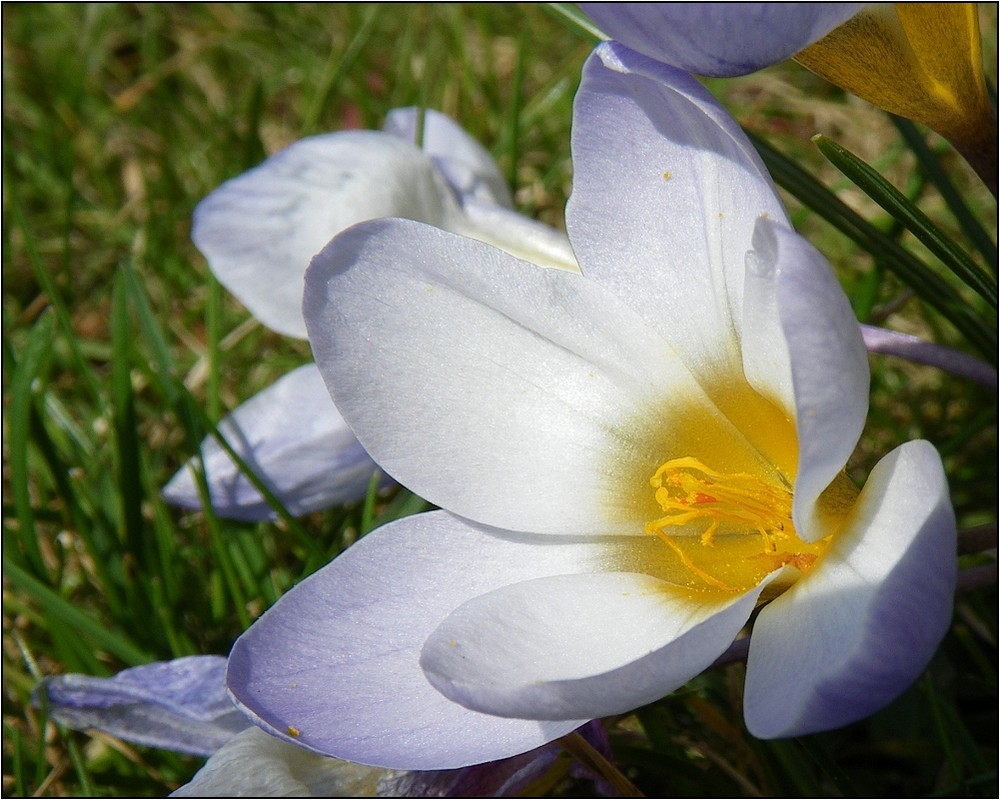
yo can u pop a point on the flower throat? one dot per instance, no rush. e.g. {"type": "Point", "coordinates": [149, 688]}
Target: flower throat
{"type": "Point", "coordinates": [748, 524]}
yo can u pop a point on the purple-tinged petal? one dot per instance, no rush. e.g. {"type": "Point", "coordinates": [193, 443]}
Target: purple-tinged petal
{"type": "Point", "coordinates": [255, 764]}
{"type": "Point", "coordinates": [178, 705]}
{"type": "Point", "coordinates": [666, 192]}
{"type": "Point", "coordinates": [586, 645]}
{"type": "Point", "coordinates": [259, 230]}
{"type": "Point", "coordinates": [863, 623]}
{"type": "Point", "coordinates": [915, 349]}
{"type": "Point", "coordinates": [828, 364]}
{"type": "Point", "coordinates": [721, 39]}
{"type": "Point", "coordinates": [294, 439]}
{"type": "Point", "coordinates": [469, 169]}
{"type": "Point", "coordinates": [334, 665]}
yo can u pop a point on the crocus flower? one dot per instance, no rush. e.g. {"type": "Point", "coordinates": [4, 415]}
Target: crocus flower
{"type": "Point", "coordinates": [919, 60]}
{"type": "Point", "coordinates": [258, 233]}
{"type": "Point", "coordinates": [629, 461]}
{"type": "Point", "coordinates": [178, 705]}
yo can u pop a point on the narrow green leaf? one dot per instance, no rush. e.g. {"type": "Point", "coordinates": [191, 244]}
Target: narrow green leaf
{"type": "Point", "coordinates": [513, 136]}
{"type": "Point", "coordinates": [908, 215]}
{"type": "Point", "coordinates": [931, 166]}
{"type": "Point", "coordinates": [223, 559]}
{"type": "Point", "coordinates": [126, 436]}
{"type": "Point", "coordinates": [83, 370]}
{"type": "Point", "coordinates": [371, 497]}
{"type": "Point", "coordinates": [163, 362]}
{"type": "Point", "coordinates": [940, 726]}
{"type": "Point", "coordinates": [20, 784]}
{"type": "Point", "coordinates": [32, 365]}
{"type": "Point", "coordinates": [337, 65]}
{"type": "Point", "coordinates": [68, 613]}
{"type": "Point", "coordinates": [82, 516]}
{"type": "Point", "coordinates": [931, 288]}
{"type": "Point", "coordinates": [576, 21]}
{"type": "Point", "coordinates": [213, 335]}
{"type": "Point", "coordinates": [286, 516]}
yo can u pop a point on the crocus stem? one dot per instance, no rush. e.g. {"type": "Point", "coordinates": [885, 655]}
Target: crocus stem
{"type": "Point", "coordinates": [977, 539]}
{"type": "Point", "coordinates": [584, 752]}
{"type": "Point", "coordinates": [981, 153]}
{"type": "Point", "coordinates": [912, 348]}
{"type": "Point", "coordinates": [975, 577]}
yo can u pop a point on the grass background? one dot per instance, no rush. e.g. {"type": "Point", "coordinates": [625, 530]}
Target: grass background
{"type": "Point", "coordinates": [118, 345]}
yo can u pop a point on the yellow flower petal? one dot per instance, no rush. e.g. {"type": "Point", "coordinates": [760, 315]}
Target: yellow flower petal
{"type": "Point", "coordinates": [919, 60]}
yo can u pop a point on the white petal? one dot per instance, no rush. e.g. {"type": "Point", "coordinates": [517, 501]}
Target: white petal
{"type": "Point", "coordinates": [485, 198]}
{"type": "Point", "coordinates": [467, 166]}
{"type": "Point", "coordinates": [862, 625]}
{"type": "Point", "coordinates": [525, 398]}
{"type": "Point", "coordinates": [722, 39]}
{"type": "Point", "coordinates": [258, 231]}
{"type": "Point", "coordinates": [255, 764]}
{"type": "Point", "coordinates": [580, 645]}
{"type": "Point", "coordinates": [519, 235]}
{"type": "Point", "coordinates": [828, 363]}
{"type": "Point", "coordinates": [178, 705]}
{"type": "Point", "coordinates": [334, 665]}
{"type": "Point", "coordinates": [295, 440]}
{"type": "Point", "coordinates": [666, 191]}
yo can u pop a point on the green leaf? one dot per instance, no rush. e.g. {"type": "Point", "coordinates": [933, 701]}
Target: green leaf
{"type": "Point", "coordinates": [32, 365]}
{"type": "Point", "coordinates": [69, 614]}
{"type": "Point", "coordinates": [911, 217]}
{"type": "Point", "coordinates": [929, 286]}
{"type": "Point", "coordinates": [931, 166]}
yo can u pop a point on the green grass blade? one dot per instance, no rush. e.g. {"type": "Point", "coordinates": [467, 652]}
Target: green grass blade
{"type": "Point", "coordinates": [59, 307]}
{"type": "Point", "coordinates": [931, 288]}
{"type": "Point", "coordinates": [338, 64]}
{"type": "Point", "coordinates": [912, 218]}
{"type": "Point", "coordinates": [513, 135]}
{"type": "Point", "coordinates": [931, 166]}
{"type": "Point", "coordinates": [163, 362]}
{"type": "Point", "coordinates": [279, 508]}
{"type": "Point", "coordinates": [117, 645]}
{"type": "Point", "coordinates": [126, 438]}
{"type": "Point", "coordinates": [576, 21]}
{"type": "Point", "coordinates": [32, 365]}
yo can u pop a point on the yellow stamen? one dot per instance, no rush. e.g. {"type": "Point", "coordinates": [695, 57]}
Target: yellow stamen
{"type": "Point", "coordinates": [739, 498]}
{"type": "Point", "coordinates": [734, 505]}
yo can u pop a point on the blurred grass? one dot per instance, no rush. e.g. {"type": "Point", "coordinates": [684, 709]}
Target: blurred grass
{"type": "Point", "coordinates": [117, 119]}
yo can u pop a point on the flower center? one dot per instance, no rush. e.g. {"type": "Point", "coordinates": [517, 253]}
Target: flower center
{"type": "Point", "coordinates": [747, 525]}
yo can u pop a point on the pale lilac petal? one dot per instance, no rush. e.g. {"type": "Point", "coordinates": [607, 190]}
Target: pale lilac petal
{"type": "Point", "coordinates": [919, 351]}
{"type": "Point", "coordinates": [258, 231]}
{"type": "Point", "coordinates": [525, 398]}
{"type": "Point", "coordinates": [177, 705]}
{"type": "Point", "coordinates": [828, 361]}
{"type": "Point", "coordinates": [334, 665]}
{"type": "Point", "coordinates": [294, 439]}
{"type": "Point", "coordinates": [864, 622]}
{"type": "Point", "coordinates": [519, 235]}
{"type": "Point", "coordinates": [467, 166]}
{"type": "Point", "coordinates": [586, 645]}
{"type": "Point", "coordinates": [666, 192]}
{"type": "Point", "coordinates": [255, 764]}
{"type": "Point", "coordinates": [721, 39]}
